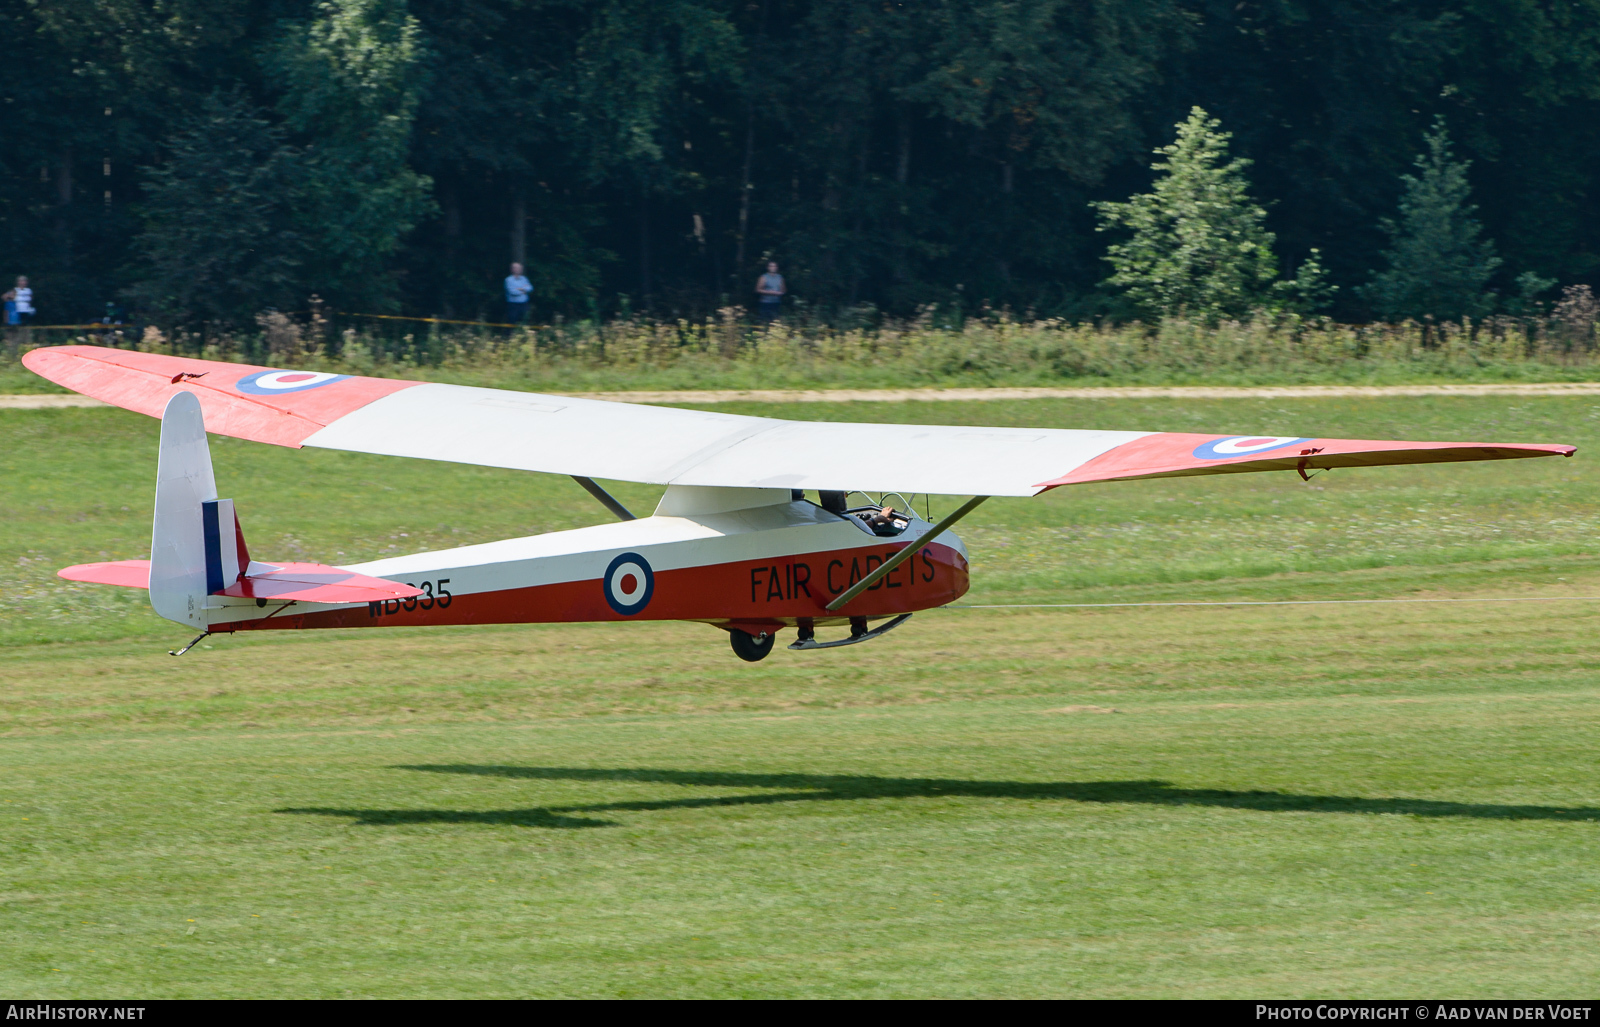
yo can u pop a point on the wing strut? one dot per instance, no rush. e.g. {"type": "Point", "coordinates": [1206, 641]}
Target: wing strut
{"type": "Point", "coordinates": [607, 500]}
{"type": "Point", "coordinates": [907, 553]}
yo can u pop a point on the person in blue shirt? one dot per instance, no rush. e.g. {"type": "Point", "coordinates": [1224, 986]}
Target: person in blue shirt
{"type": "Point", "coordinates": [518, 289]}
{"type": "Point", "coordinates": [771, 288]}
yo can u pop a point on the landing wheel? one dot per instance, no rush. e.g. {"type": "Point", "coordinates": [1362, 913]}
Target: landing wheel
{"type": "Point", "coordinates": [748, 647]}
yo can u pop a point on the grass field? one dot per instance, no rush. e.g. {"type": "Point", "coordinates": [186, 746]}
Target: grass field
{"type": "Point", "coordinates": [1288, 801]}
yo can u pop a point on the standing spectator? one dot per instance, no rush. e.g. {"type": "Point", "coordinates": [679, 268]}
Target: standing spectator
{"type": "Point", "coordinates": [518, 289]}
{"type": "Point", "coordinates": [770, 287]}
{"type": "Point", "coordinates": [111, 333]}
{"type": "Point", "coordinates": [19, 303]}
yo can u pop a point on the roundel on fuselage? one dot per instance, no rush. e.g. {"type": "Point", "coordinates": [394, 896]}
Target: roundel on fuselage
{"type": "Point", "coordinates": [629, 583]}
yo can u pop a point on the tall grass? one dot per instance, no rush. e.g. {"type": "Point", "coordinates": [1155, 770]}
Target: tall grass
{"type": "Point", "coordinates": [727, 352]}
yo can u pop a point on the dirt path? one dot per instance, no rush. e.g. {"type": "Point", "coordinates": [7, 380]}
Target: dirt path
{"type": "Point", "coordinates": [43, 402]}
{"type": "Point", "coordinates": [1105, 392]}
{"type": "Point", "coordinates": [47, 402]}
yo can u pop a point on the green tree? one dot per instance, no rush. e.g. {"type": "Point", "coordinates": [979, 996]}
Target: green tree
{"type": "Point", "coordinates": [1437, 263]}
{"type": "Point", "coordinates": [1199, 243]}
{"type": "Point", "coordinates": [902, 148]}
{"type": "Point", "coordinates": [351, 82]}
{"type": "Point", "coordinates": [555, 132]}
{"type": "Point", "coordinates": [219, 241]}
{"type": "Point", "coordinates": [885, 152]}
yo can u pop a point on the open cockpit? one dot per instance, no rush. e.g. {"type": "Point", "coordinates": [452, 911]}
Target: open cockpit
{"type": "Point", "coordinates": [881, 518]}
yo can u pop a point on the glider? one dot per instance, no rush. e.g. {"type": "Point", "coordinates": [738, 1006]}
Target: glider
{"type": "Point", "coordinates": [734, 542]}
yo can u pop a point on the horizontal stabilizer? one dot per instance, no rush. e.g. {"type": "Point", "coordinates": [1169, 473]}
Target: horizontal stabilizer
{"type": "Point", "coordinates": [315, 583]}
{"type": "Point", "coordinates": [127, 573]}
{"type": "Point", "coordinates": [302, 582]}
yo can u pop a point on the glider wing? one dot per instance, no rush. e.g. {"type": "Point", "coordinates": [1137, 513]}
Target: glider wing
{"type": "Point", "coordinates": [663, 445]}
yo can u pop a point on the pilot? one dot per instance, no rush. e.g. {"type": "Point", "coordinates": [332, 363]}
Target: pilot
{"type": "Point", "coordinates": [883, 522]}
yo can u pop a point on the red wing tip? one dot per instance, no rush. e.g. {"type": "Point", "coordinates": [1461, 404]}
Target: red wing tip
{"type": "Point", "coordinates": [1180, 462]}
{"type": "Point", "coordinates": [42, 353]}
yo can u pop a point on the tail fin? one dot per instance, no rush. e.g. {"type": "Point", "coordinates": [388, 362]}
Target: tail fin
{"type": "Point", "coordinates": [196, 547]}
{"type": "Point", "coordinates": [198, 559]}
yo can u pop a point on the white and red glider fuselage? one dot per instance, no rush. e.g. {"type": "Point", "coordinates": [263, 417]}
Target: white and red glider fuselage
{"type": "Point", "coordinates": [755, 569]}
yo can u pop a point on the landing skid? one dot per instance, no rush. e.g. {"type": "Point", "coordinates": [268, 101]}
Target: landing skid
{"type": "Point", "coordinates": [191, 645]}
{"type": "Point", "coordinates": [866, 636]}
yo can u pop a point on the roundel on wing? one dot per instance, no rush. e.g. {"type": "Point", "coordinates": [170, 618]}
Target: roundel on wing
{"type": "Point", "coordinates": [629, 583]}
{"type": "Point", "coordinates": [277, 383]}
{"type": "Point", "coordinates": [1244, 445]}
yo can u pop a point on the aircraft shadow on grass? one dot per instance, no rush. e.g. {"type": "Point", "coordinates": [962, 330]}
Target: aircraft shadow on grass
{"type": "Point", "coordinates": [841, 788]}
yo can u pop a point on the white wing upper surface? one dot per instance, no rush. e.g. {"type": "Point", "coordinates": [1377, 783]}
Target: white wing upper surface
{"type": "Point", "coordinates": [630, 442]}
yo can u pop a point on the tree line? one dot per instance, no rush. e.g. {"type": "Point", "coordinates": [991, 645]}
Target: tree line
{"type": "Point", "coordinates": [205, 160]}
